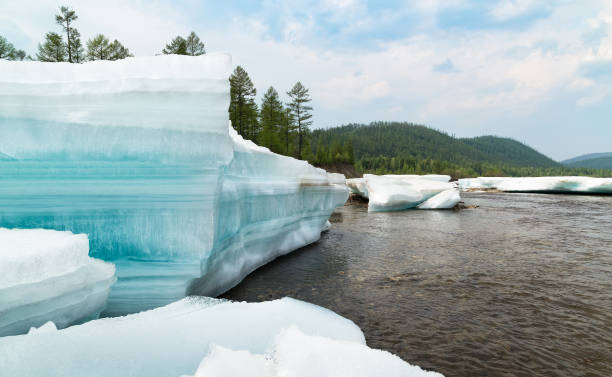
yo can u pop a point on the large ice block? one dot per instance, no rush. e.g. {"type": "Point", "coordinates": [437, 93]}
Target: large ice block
{"type": "Point", "coordinates": [172, 340]}
{"type": "Point", "coordinates": [136, 153]}
{"type": "Point", "coordinates": [46, 275]}
{"type": "Point", "coordinates": [586, 185]}
{"type": "Point", "coordinates": [397, 192]}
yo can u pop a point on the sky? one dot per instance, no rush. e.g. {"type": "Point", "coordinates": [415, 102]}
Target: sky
{"type": "Point", "coordinates": [536, 71]}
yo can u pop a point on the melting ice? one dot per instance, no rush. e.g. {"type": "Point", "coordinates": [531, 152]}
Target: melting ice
{"type": "Point", "coordinates": [137, 154]}
{"type": "Point", "coordinates": [397, 192]}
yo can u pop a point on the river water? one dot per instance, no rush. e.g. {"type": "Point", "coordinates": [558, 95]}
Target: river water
{"type": "Point", "coordinates": [521, 285]}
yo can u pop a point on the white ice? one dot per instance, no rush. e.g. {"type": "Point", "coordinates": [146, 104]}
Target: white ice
{"type": "Point", "coordinates": [137, 154]}
{"type": "Point", "coordinates": [47, 275]}
{"type": "Point", "coordinates": [296, 354]}
{"type": "Point", "coordinates": [173, 340]}
{"type": "Point", "coordinates": [397, 192]}
{"type": "Point", "coordinates": [543, 184]}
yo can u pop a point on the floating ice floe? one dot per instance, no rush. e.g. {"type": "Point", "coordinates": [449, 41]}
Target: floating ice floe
{"type": "Point", "coordinates": [397, 192]}
{"type": "Point", "coordinates": [587, 185]}
{"type": "Point", "coordinates": [47, 275]}
{"type": "Point", "coordinates": [137, 154]}
{"type": "Point", "coordinates": [283, 337]}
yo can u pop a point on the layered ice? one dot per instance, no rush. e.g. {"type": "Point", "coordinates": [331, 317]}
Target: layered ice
{"type": "Point", "coordinates": [587, 185]}
{"type": "Point", "coordinates": [172, 341]}
{"type": "Point", "coordinates": [47, 275]}
{"type": "Point", "coordinates": [136, 153]}
{"type": "Point", "coordinates": [397, 192]}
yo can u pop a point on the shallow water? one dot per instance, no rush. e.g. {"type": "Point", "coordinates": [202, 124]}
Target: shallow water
{"type": "Point", "coordinates": [521, 285]}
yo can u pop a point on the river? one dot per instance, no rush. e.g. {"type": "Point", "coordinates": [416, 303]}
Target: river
{"type": "Point", "coordinates": [521, 285]}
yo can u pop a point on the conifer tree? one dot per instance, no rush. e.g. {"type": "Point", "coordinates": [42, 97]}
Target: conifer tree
{"type": "Point", "coordinates": [301, 113]}
{"type": "Point", "coordinates": [53, 49]}
{"type": "Point", "coordinates": [117, 51]}
{"type": "Point", "coordinates": [74, 45]}
{"type": "Point", "coordinates": [271, 115]}
{"type": "Point", "coordinates": [242, 102]}
{"type": "Point", "coordinates": [9, 52]}
{"type": "Point", "coordinates": [287, 131]}
{"type": "Point", "coordinates": [98, 48]}
{"type": "Point", "coordinates": [177, 46]}
{"type": "Point", "coordinates": [194, 46]}
{"type": "Point", "coordinates": [73, 42]}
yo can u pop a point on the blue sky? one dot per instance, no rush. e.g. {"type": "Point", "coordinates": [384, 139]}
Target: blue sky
{"type": "Point", "coordinates": [537, 71]}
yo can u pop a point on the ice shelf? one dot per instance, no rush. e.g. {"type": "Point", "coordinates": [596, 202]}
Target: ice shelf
{"type": "Point", "coordinates": [224, 338]}
{"type": "Point", "coordinates": [587, 185]}
{"type": "Point", "coordinates": [137, 154]}
{"type": "Point", "coordinates": [47, 275]}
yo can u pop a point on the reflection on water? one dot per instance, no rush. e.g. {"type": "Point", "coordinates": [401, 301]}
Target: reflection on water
{"type": "Point", "coordinates": [521, 285]}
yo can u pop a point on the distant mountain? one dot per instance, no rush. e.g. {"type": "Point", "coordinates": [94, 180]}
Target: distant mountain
{"type": "Point", "coordinates": [393, 139]}
{"type": "Point", "coordinates": [590, 156]}
{"type": "Point", "coordinates": [593, 161]}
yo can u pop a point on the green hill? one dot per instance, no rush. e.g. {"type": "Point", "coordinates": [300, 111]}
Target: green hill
{"type": "Point", "coordinates": [593, 163]}
{"type": "Point", "coordinates": [406, 148]}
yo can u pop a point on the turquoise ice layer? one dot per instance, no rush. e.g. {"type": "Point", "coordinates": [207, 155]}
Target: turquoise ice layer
{"type": "Point", "coordinates": [137, 154]}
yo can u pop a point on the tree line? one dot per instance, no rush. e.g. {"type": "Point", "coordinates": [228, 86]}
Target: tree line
{"type": "Point", "coordinates": [283, 128]}
{"type": "Point", "coordinates": [66, 46]}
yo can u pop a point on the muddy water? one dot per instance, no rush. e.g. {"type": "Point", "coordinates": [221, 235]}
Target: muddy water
{"type": "Point", "coordinates": [521, 285]}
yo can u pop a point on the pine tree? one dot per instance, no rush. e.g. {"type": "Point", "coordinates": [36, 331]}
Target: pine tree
{"type": "Point", "coordinates": [301, 113]}
{"type": "Point", "coordinates": [242, 102]}
{"type": "Point", "coordinates": [53, 49]}
{"type": "Point", "coordinates": [8, 51]}
{"type": "Point", "coordinates": [98, 48]}
{"type": "Point", "coordinates": [78, 55]}
{"type": "Point", "coordinates": [194, 46]}
{"type": "Point", "coordinates": [73, 42]}
{"type": "Point", "coordinates": [271, 115]}
{"type": "Point", "coordinates": [178, 46]}
{"type": "Point", "coordinates": [287, 131]}
{"type": "Point", "coordinates": [117, 51]}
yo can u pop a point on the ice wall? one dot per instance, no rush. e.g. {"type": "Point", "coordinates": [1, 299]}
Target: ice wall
{"type": "Point", "coordinates": [587, 185]}
{"type": "Point", "coordinates": [171, 341]}
{"type": "Point", "coordinates": [46, 275]}
{"type": "Point", "coordinates": [136, 153]}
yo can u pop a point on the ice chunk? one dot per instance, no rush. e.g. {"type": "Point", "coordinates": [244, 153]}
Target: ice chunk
{"type": "Point", "coordinates": [587, 185]}
{"type": "Point", "coordinates": [358, 186]}
{"type": "Point", "coordinates": [168, 341]}
{"type": "Point", "coordinates": [47, 327]}
{"type": "Point", "coordinates": [136, 153]}
{"type": "Point", "coordinates": [444, 200]}
{"type": "Point", "coordinates": [297, 354]}
{"type": "Point", "coordinates": [47, 275]}
{"type": "Point", "coordinates": [397, 192]}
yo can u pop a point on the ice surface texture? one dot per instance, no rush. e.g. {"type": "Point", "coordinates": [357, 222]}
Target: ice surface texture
{"type": "Point", "coordinates": [46, 275]}
{"type": "Point", "coordinates": [543, 184]}
{"type": "Point", "coordinates": [171, 341]}
{"type": "Point", "coordinates": [296, 354]}
{"type": "Point", "coordinates": [136, 153]}
{"type": "Point", "coordinates": [397, 192]}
